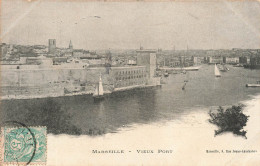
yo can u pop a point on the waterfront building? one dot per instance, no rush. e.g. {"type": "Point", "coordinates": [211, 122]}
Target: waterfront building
{"type": "Point", "coordinates": [52, 46]}
{"type": "Point", "coordinates": [216, 59]}
{"type": "Point", "coordinates": [59, 60]}
{"type": "Point", "coordinates": [205, 60]}
{"type": "Point", "coordinates": [174, 62]}
{"type": "Point", "coordinates": [182, 61]}
{"type": "Point", "coordinates": [230, 60]}
{"type": "Point", "coordinates": [255, 62]}
{"type": "Point", "coordinates": [194, 60]}
{"type": "Point", "coordinates": [171, 62]}
{"type": "Point", "coordinates": [128, 76]}
{"type": "Point", "coordinates": [108, 62]}
{"type": "Point", "coordinates": [147, 58]}
{"type": "Point", "coordinates": [248, 60]}
{"type": "Point", "coordinates": [243, 60]}
{"type": "Point", "coordinates": [186, 61]}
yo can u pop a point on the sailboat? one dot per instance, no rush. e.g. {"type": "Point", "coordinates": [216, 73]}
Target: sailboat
{"type": "Point", "coordinates": [99, 92]}
{"type": "Point", "coordinates": [185, 81]}
{"type": "Point", "coordinates": [217, 73]}
{"type": "Point", "coordinates": [224, 68]}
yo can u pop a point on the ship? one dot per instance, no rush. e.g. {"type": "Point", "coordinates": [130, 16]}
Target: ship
{"type": "Point", "coordinates": [224, 68]}
{"type": "Point", "coordinates": [191, 68]}
{"type": "Point", "coordinates": [99, 92]}
{"type": "Point", "coordinates": [254, 85]}
{"type": "Point", "coordinates": [217, 73]}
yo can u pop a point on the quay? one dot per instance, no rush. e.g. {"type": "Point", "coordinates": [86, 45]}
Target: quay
{"type": "Point", "coordinates": [192, 68]}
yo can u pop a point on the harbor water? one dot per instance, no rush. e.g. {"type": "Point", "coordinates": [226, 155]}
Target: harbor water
{"type": "Point", "coordinates": [80, 115]}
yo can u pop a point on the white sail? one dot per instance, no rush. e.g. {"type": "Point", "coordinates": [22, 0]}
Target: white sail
{"type": "Point", "coordinates": [217, 73]}
{"type": "Point", "coordinates": [100, 87]}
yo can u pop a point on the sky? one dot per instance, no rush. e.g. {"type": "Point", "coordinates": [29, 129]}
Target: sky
{"type": "Point", "coordinates": [127, 25]}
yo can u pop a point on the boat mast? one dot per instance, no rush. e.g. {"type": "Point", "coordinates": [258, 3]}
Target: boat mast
{"type": "Point", "coordinates": [100, 86]}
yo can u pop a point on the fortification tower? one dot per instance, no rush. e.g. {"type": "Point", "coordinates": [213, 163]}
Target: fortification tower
{"type": "Point", "coordinates": [52, 46]}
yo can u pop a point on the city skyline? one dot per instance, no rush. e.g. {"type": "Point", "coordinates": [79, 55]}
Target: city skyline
{"type": "Point", "coordinates": [220, 25]}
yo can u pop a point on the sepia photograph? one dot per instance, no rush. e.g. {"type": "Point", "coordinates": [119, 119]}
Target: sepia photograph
{"type": "Point", "coordinates": [170, 83]}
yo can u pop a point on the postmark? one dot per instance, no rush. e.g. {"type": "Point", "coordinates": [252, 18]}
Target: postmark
{"type": "Point", "coordinates": [23, 145]}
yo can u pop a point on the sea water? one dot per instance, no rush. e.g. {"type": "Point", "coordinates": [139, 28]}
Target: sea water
{"type": "Point", "coordinates": [166, 119]}
{"type": "Point", "coordinates": [80, 115]}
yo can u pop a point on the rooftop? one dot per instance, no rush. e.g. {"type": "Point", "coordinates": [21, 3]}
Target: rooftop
{"type": "Point", "coordinates": [147, 50]}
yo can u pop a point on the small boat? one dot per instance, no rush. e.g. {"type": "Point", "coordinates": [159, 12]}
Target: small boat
{"type": "Point", "coordinates": [254, 85]}
{"type": "Point", "coordinates": [183, 87]}
{"type": "Point", "coordinates": [223, 68]}
{"type": "Point", "coordinates": [99, 92]}
{"type": "Point", "coordinates": [166, 74]}
{"type": "Point", "coordinates": [217, 73]}
{"type": "Point", "coordinates": [238, 65]}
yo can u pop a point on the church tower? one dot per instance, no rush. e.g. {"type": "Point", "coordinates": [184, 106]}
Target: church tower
{"type": "Point", "coordinates": [52, 46]}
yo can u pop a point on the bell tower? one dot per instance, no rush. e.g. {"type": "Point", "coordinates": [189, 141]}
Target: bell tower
{"type": "Point", "coordinates": [52, 46]}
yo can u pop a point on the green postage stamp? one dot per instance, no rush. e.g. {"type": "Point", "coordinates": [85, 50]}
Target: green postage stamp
{"type": "Point", "coordinates": [23, 145]}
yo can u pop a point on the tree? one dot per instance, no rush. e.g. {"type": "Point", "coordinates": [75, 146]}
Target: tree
{"type": "Point", "coordinates": [232, 120]}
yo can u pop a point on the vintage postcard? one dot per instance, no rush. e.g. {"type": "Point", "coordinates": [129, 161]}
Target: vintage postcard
{"type": "Point", "coordinates": [104, 83]}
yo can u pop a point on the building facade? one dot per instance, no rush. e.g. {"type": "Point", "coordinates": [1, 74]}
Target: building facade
{"type": "Point", "coordinates": [230, 60]}
{"type": "Point", "coordinates": [255, 61]}
{"type": "Point", "coordinates": [128, 76]}
{"type": "Point", "coordinates": [216, 59]}
{"type": "Point", "coordinates": [147, 58]}
{"type": "Point", "coordinates": [243, 60]}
